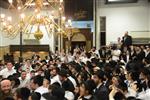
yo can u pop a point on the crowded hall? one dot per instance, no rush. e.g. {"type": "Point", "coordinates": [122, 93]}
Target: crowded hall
{"type": "Point", "coordinates": [74, 49]}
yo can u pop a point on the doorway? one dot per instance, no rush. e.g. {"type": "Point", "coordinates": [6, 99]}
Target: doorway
{"type": "Point", "coordinates": [102, 30]}
{"type": "Point", "coordinates": [78, 41]}
{"type": "Point", "coordinates": [78, 44]}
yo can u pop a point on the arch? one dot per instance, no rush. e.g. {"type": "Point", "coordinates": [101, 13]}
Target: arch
{"type": "Point", "coordinates": [78, 37]}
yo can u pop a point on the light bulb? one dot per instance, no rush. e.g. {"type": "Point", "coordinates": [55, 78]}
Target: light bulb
{"type": "Point", "coordinates": [60, 8]}
{"type": "Point", "coordinates": [58, 29]}
{"type": "Point", "coordinates": [38, 16]}
{"type": "Point", "coordinates": [10, 26]}
{"type": "Point", "coordinates": [2, 15]}
{"type": "Point", "coordinates": [9, 18]}
{"type": "Point", "coordinates": [22, 16]}
{"type": "Point", "coordinates": [10, 1]}
{"type": "Point", "coordinates": [61, 1]}
{"type": "Point", "coordinates": [63, 18]}
{"type": "Point", "coordinates": [19, 8]}
{"type": "Point", "coordinates": [69, 21]}
{"type": "Point", "coordinates": [67, 25]}
{"type": "Point", "coordinates": [36, 10]}
{"type": "Point", "coordinates": [4, 23]}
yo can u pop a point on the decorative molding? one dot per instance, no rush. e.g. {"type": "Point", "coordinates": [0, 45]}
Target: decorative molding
{"type": "Point", "coordinates": [78, 37]}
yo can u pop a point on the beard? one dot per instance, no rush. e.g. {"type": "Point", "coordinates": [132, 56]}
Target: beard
{"type": "Point", "coordinates": [7, 91]}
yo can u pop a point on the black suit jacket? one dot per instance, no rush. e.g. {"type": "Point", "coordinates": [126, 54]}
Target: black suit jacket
{"type": "Point", "coordinates": [148, 56]}
{"type": "Point", "coordinates": [92, 98]}
{"type": "Point", "coordinates": [140, 55]}
{"type": "Point", "coordinates": [102, 93]}
{"type": "Point", "coordinates": [68, 85]}
{"type": "Point", "coordinates": [127, 41]}
{"type": "Point", "coordinates": [102, 53]}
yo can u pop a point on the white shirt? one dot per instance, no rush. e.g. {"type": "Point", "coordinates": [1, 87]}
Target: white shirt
{"type": "Point", "coordinates": [70, 58]}
{"type": "Point", "coordinates": [24, 83]}
{"type": "Point", "coordinates": [5, 72]}
{"type": "Point", "coordinates": [73, 81]}
{"type": "Point", "coordinates": [145, 95]}
{"type": "Point", "coordinates": [88, 97]}
{"type": "Point", "coordinates": [141, 95]}
{"type": "Point", "coordinates": [116, 54]}
{"type": "Point", "coordinates": [96, 52]}
{"type": "Point", "coordinates": [69, 95]}
{"type": "Point", "coordinates": [131, 93]}
{"type": "Point", "coordinates": [41, 90]}
{"type": "Point", "coordinates": [128, 58]}
{"type": "Point", "coordinates": [146, 52]}
{"type": "Point", "coordinates": [85, 59]}
{"type": "Point", "coordinates": [55, 79]}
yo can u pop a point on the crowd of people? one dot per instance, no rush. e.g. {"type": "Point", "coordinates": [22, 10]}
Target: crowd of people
{"type": "Point", "coordinates": [111, 73]}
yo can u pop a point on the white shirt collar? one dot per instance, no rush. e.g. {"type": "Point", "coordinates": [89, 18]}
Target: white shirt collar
{"type": "Point", "coordinates": [99, 85]}
{"type": "Point", "coordinates": [88, 96]}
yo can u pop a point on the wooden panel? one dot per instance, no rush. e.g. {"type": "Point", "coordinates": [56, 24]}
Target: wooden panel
{"type": "Point", "coordinates": [3, 50]}
{"type": "Point", "coordinates": [141, 41]}
{"type": "Point", "coordinates": [88, 45]}
{"type": "Point", "coordinates": [140, 34]}
{"type": "Point", "coordinates": [34, 48]}
{"type": "Point", "coordinates": [79, 9]}
{"type": "Point", "coordinates": [28, 55]}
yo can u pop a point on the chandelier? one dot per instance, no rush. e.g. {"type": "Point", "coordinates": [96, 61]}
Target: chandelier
{"type": "Point", "coordinates": [52, 20]}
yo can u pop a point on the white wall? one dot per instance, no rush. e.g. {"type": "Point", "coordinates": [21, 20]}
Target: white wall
{"type": "Point", "coordinates": [3, 40]}
{"type": "Point", "coordinates": [123, 17]}
{"type": "Point", "coordinates": [149, 15]}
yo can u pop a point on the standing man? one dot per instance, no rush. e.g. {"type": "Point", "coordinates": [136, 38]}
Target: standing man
{"type": "Point", "coordinates": [126, 40]}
